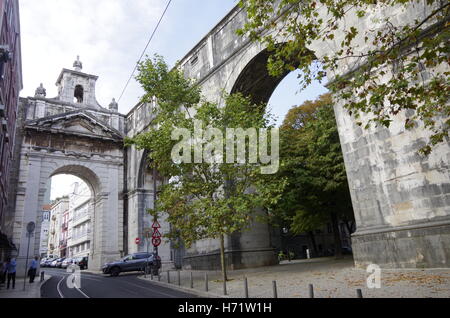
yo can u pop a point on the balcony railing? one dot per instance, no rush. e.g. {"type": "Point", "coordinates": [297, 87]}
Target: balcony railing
{"type": "Point", "coordinates": [65, 226]}
{"type": "Point", "coordinates": [63, 244]}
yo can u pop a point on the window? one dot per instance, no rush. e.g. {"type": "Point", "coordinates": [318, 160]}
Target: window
{"type": "Point", "coordinates": [79, 94]}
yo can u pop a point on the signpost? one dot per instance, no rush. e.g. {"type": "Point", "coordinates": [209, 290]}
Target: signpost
{"type": "Point", "coordinates": [30, 229]}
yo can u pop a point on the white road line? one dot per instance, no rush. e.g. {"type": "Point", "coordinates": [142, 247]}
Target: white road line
{"type": "Point", "coordinates": [58, 287]}
{"type": "Point", "coordinates": [82, 292]}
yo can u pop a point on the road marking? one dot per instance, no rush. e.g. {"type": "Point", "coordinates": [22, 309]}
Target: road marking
{"type": "Point", "coordinates": [82, 292]}
{"type": "Point", "coordinates": [58, 287]}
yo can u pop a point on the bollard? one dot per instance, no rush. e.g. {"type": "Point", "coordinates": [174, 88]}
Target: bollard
{"type": "Point", "coordinates": [179, 278]}
{"type": "Point", "coordinates": [359, 293]}
{"type": "Point", "coordinates": [311, 291]}
{"type": "Point", "coordinates": [275, 292]}
{"type": "Point", "coordinates": [206, 282]}
{"type": "Point", "coordinates": [42, 276]}
{"type": "Point", "coordinates": [192, 281]}
{"type": "Point", "coordinates": [151, 275]}
{"type": "Point", "coordinates": [225, 287]}
{"type": "Point", "coordinates": [246, 287]}
{"type": "Point", "coordinates": [168, 277]}
{"type": "Point", "coordinates": [159, 277]}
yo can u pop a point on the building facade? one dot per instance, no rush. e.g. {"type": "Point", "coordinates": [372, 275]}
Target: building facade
{"type": "Point", "coordinates": [80, 221]}
{"type": "Point", "coordinates": [59, 210]}
{"type": "Point", "coordinates": [10, 86]}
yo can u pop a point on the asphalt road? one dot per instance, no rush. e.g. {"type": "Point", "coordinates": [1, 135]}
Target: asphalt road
{"type": "Point", "coordinates": [102, 286]}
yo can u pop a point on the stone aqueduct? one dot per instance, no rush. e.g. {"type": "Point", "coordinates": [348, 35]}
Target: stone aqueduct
{"type": "Point", "coordinates": [401, 201]}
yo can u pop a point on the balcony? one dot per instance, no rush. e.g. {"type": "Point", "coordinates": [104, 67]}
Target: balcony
{"type": "Point", "coordinates": [65, 226]}
{"type": "Point", "coordinates": [63, 244]}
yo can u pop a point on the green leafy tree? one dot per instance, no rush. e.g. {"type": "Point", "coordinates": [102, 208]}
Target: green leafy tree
{"type": "Point", "coordinates": [401, 67]}
{"type": "Point", "coordinates": [317, 191]}
{"type": "Point", "coordinates": [205, 197]}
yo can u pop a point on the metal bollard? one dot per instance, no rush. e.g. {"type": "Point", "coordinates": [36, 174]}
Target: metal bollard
{"type": "Point", "coordinates": [246, 287]}
{"type": "Point", "coordinates": [359, 293]}
{"type": "Point", "coordinates": [179, 278]}
{"type": "Point", "coordinates": [225, 287]}
{"type": "Point", "coordinates": [275, 292]}
{"type": "Point", "coordinates": [151, 275]}
{"type": "Point", "coordinates": [42, 276]}
{"type": "Point", "coordinates": [206, 282]}
{"type": "Point", "coordinates": [192, 281]}
{"type": "Point", "coordinates": [311, 291]}
{"type": "Point", "coordinates": [168, 277]}
{"type": "Point", "coordinates": [159, 276]}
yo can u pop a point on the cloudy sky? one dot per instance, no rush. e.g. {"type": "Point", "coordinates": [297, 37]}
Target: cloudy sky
{"type": "Point", "coordinates": [109, 36]}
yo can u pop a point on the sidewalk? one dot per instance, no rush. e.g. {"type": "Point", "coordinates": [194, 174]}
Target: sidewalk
{"type": "Point", "coordinates": [331, 279]}
{"type": "Point", "coordinates": [31, 290]}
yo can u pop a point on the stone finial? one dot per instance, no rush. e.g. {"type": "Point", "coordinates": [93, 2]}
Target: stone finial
{"type": "Point", "coordinates": [114, 106]}
{"type": "Point", "coordinates": [77, 64]}
{"type": "Point", "coordinates": [40, 91]}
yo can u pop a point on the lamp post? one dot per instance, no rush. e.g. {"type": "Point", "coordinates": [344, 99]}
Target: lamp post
{"type": "Point", "coordinates": [30, 229]}
{"type": "Point", "coordinates": [154, 203]}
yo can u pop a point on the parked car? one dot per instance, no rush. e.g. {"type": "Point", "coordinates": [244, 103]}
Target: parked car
{"type": "Point", "coordinates": [132, 263]}
{"type": "Point", "coordinates": [56, 263]}
{"type": "Point", "coordinates": [82, 262]}
{"type": "Point", "coordinates": [59, 262]}
{"type": "Point", "coordinates": [67, 262]}
{"type": "Point", "coordinates": [48, 262]}
{"type": "Point", "coordinates": [43, 261]}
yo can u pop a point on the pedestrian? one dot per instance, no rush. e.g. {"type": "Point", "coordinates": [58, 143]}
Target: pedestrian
{"type": "Point", "coordinates": [33, 269]}
{"type": "Point", "coordinates": [11, 272]}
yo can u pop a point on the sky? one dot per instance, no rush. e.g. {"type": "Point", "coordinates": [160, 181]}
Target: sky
{"type": "Point", "coordinates": [109, 36]}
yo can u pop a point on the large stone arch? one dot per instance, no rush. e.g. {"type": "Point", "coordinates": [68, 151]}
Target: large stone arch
{"type": "Point", "coordinates": [401, 200]}
{"type": "Point", "coordinates": [140, 197]}
{"type": "Point", "coordinates": [78, 143]}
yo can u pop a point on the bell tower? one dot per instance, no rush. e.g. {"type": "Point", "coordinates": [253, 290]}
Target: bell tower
{"type": "Point", "coordinates": [77, 87]}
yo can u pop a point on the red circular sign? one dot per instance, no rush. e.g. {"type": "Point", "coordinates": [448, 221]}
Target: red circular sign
{"type": "Point", "coordinates": [137, 240]}
{"type": "Point", "coordinates": [156, 242]}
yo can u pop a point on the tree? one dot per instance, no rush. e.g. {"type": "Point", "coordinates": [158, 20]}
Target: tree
{"type": "Point", "coordinates": [317, 190]}
{"type": "Point", "coordinates": [206, 197]}
{"type": "Point", "coordinates": [398, 66]}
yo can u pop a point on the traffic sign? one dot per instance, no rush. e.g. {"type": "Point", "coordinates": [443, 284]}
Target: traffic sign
{"type": "Point", "coordinates": [156, 242]}
{"type": "Point", "coordinates": [156, 234]}
{"type": "Point", "coordinates": [137, 241]}
{"type": "Point", "coordinates": [156, 225]}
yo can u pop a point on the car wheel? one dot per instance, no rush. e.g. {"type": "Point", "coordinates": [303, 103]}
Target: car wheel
{"type": "Point", "coordinates": [115, 271]}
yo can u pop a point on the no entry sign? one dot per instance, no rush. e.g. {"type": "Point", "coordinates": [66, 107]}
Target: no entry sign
{"type": "Point", "coordinates": [137, 241]}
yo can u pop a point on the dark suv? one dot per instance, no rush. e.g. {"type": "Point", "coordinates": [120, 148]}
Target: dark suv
{"type": "Point", "coordinates": [134, 262]}
{"type": "Point", "coordinates": [82, 262]}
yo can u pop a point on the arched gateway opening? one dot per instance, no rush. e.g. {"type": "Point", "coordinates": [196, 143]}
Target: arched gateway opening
{"type": "Point", "coordinates": [255, 81]}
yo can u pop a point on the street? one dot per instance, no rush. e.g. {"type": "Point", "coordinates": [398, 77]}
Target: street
{"type": "Point", "coordinates": [99, 286]}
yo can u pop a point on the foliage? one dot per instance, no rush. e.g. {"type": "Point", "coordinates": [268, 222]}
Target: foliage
{"type": "Point", "coordinates": [396, 67]}
{"type": "Point", "coordinates": [203, 200]}
{"type": "Point", "coordinates": [313, 164]}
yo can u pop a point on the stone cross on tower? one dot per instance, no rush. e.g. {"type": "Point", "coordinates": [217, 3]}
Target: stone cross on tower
{"type": "Point", "coordinates": [78, 66]}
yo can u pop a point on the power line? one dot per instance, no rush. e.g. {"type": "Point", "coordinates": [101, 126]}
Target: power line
{"type": "Point", "coordinates": [145, 49]}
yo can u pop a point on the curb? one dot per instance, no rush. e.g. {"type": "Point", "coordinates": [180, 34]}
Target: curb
{"type": "Point", "coordinates": [202, 294]}
{"type": "Point", "coordinates": [46, 278]}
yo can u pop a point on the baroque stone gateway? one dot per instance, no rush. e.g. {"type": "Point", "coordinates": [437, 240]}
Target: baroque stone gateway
{"type": "Point", "coordinates": [401, 200]}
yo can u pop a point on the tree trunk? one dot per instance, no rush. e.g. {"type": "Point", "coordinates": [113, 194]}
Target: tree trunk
{"type": "Point", "coordinates": [222, 258]}
{"type": "Point", "coordinates": [313, 242]}
{"type": "Point", "coordinates": [337, 236]}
